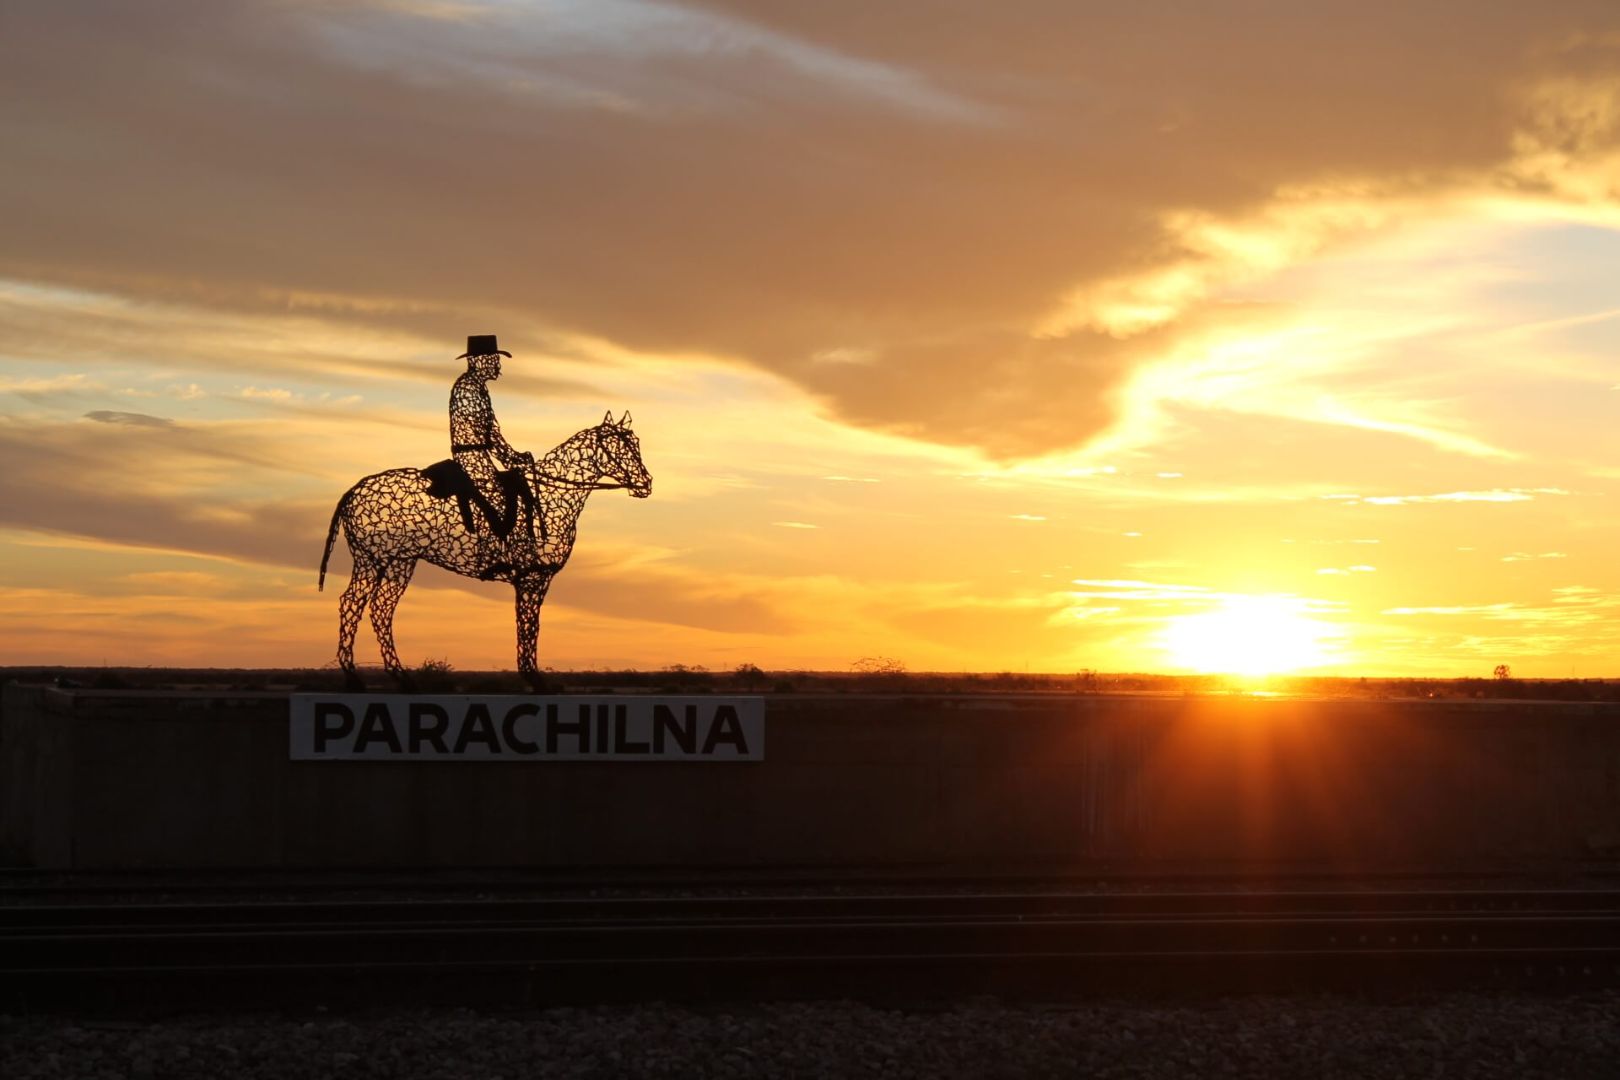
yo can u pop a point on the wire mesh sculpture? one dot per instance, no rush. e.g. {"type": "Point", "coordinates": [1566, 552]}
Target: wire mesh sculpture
{"type": "Point", "coordinates": [516, 525]}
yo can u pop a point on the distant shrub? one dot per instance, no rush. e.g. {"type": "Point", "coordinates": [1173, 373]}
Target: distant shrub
{"type": "Point", "coordinates": [683, 678]}
{"type": "Point", "coordinates": [434, 677]}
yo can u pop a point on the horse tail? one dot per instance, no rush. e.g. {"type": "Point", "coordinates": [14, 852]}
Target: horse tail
{"type": "Point", "coordinates": [331, 534]}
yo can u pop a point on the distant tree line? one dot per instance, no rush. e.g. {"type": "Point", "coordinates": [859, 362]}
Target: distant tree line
{"type": "Point", "coordinates": [866, 675]}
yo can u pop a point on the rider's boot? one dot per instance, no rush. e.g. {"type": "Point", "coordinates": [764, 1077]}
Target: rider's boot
{"type": "Point", "coordinates": [522, 551]}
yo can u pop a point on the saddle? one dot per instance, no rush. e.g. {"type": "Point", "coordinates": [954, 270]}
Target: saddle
{"type": "Point", "coordinates": [448, 480]}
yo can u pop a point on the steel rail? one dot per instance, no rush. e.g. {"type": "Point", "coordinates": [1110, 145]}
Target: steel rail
{"type": "Point", "coordinates": [910, 907]}
{"type": "Point", "coordinates": [19, 882]}
{"type": "Point", "coordinates": [596, 949]}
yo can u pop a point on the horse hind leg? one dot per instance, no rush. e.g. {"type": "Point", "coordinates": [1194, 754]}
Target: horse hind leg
{"type": "Point", "coordinates": [391, 584]}
{"type": "Point", "coordinates": [362, 584]}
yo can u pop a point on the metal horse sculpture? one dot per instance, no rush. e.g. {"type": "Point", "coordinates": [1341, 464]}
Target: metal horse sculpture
{"type": "Point", "coordinates": [391, 519]}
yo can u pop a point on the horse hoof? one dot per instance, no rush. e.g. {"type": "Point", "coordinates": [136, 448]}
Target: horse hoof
{"type": "Point", "coordinates": [353, 683]}
{"type": "Point", "coordinates": [406, 684]}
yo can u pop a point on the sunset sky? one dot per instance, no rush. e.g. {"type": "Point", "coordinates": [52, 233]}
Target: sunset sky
{"type": "Point", "coordinates": [982, 336]}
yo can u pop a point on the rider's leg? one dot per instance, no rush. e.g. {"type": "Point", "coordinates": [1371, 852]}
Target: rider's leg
{"type": "Point", "coordinates": [481, 471]}
{"type": "Point", "coordinates": [522, 546]}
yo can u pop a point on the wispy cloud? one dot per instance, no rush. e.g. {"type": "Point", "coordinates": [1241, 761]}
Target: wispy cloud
{"type": "Point", "coordinates": [620, 56]}
{"type": "Point", "coordinates": [53, 384]}
{"type": "Point", "coordinates": [1493, 495]}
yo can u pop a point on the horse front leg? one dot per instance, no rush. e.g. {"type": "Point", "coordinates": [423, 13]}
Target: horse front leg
{"type": "Point", "coordinates": [391, 586]}
{"type": "Point", "coordinates": [362, 583]}
{"type": "Point", "coordinates": [531, 593]}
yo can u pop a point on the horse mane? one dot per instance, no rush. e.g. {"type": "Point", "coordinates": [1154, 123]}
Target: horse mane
{"type": "Point", "coordinates": [561, 458]}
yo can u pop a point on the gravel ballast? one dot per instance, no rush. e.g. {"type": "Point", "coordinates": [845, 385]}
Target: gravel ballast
{"type": "Point", "coordinates": [1456, 1035]}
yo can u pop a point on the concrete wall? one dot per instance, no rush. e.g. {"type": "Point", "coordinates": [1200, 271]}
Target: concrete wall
{"type": "Point", "coordinates": [123, 779]}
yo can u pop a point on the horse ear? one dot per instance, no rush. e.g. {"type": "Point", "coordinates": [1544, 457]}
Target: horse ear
{"type": "Point", "coordinates": [624, 421]}
{"type": "Point", "coordinates": [607, 417]}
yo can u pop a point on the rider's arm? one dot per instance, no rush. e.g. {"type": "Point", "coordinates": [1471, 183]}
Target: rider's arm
{"type": "Point", "coordinates": [503, 450]}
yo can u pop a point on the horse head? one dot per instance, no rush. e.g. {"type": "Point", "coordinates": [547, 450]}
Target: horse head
{"type": "Point", "coordinates": [618, 455]}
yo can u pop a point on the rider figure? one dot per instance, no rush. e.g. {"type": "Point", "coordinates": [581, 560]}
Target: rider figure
{"type": "Point", "coordinates": [475, 436]}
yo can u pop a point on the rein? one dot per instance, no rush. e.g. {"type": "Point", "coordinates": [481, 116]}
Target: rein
{"type": "Point", "coordinates": [552, 479]}
{"type": "Point", "coordinates": [580, 485]}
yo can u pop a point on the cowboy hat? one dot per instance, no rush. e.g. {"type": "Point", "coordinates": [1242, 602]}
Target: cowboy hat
{"type": "Point", "coordinates": [482, 345]}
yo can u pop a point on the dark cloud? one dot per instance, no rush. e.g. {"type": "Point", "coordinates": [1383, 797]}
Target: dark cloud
{"type": "Point", "coordinates": [107, 483]}
{"type": "Point", "coordinates": [134, 419]}
{"type": "Point", "coordinates": [918, 185]}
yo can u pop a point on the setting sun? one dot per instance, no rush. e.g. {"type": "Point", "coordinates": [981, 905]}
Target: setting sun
{"type": "Point", "coordinates": [1247, 635]}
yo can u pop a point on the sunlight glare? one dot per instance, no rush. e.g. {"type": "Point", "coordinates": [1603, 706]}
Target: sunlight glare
{"type": "Point", "coordinates": [1247, 635]}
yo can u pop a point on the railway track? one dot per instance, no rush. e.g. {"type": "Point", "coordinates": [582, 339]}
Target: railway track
{"type": "Point", "coordinates": [18, 882]}
{"type": "Point", "coordinates": [521, 952]}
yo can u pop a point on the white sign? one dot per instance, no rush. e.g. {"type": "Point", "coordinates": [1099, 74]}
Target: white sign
{"type": "Point", "coordinates": [465, 727]}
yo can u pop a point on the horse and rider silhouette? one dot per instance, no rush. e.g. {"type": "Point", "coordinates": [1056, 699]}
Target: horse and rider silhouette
{"type": "Point", "coordinates": [514, 524]}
